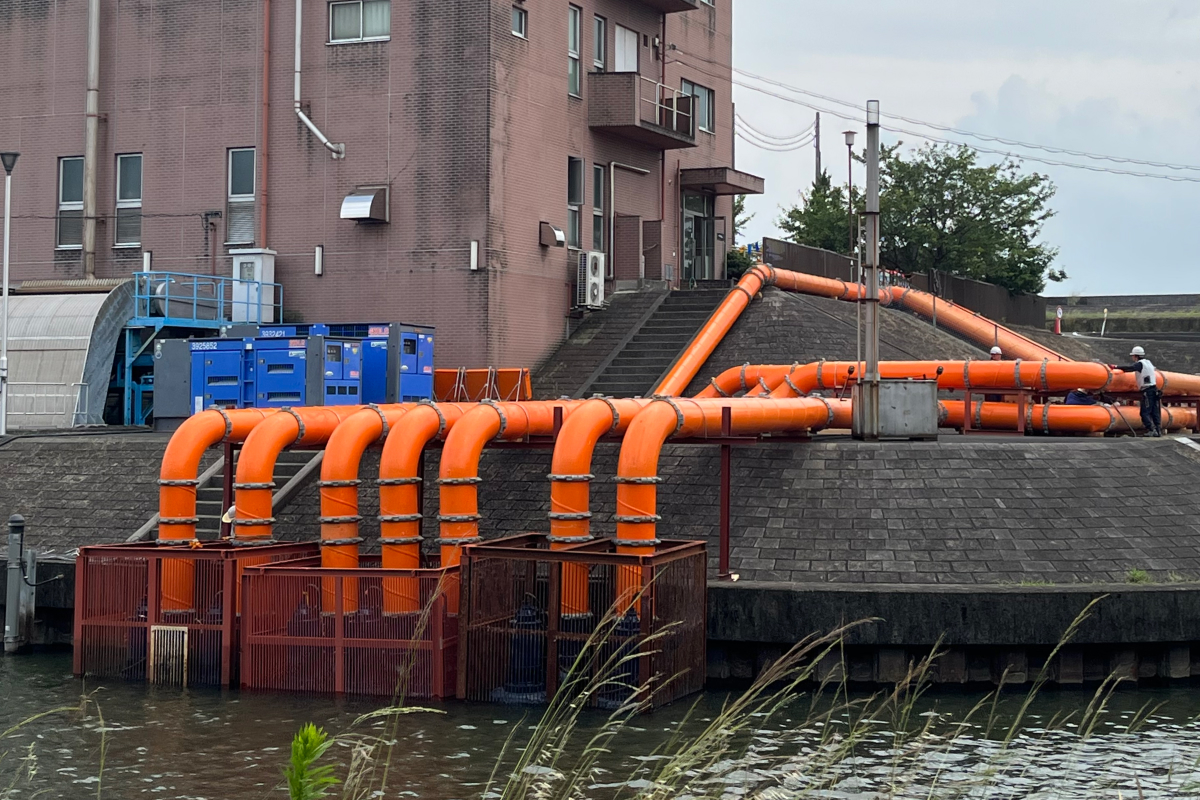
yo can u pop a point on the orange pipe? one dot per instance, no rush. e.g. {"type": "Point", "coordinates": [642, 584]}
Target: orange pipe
{"type": "Point", "coordinates": [1060, 418]}
{"type": "Point", "coordinates": [570, 482]}
{"type": "Point", "coordinates": [458, 498]}
{"type": "Point", "coordinates": [177, 482]}
{"type": "Point", "coordinates": [339, 481]}
{"type": "Point", "coordinates": [637, 468]}
{"type": "Point", "coordinates": [399, 496]}
{"type": "Point", "coordinates": [714, 330]}
{"type": "Point", "coordinates": [304, 426]}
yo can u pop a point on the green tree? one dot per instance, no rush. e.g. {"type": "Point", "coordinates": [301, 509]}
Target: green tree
{"type": "Point", "coordinates": [821, 219]}
{"type": "Point", "coordinates": [940, 209]}
{"type": "Point", "coordinates": [740, 218]}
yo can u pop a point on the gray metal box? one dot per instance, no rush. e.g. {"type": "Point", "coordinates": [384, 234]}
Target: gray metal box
{"type": "Point", "coordinates": [908, 409]}
{"type": "Point", "coordinates": [172, 383]}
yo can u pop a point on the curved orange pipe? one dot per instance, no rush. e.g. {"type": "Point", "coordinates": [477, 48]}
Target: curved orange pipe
{"type": "Point", "coordinates": [253, 483]}
{"type": "Point", "coordinates": [399, 496]}
{"type": "Point", "coordinates": [570, 482]}
{"type": "Point", "coordinates": [177, 482]}
{"type": "Point", "coordinates": [339, 480]}
{"type": "Point", "coordinates": [637, 468]}
{"type": "Point", "coordinates": [458, 498]}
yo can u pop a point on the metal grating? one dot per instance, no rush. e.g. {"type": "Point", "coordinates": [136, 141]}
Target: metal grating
{"type": "Point", "coordinates": [366, 631]}
{"type": "Point", "coordinates": [126, 628]}
{"type": "Point", "coordinates": [528, 612]}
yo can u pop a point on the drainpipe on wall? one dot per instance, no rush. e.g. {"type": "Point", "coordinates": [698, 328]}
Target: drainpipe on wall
{"type": "Point", "coordinates": [265, 149]}
{"type": "Point", "coordinates": [335, 150]}
{"type": "Point", "coordinates": [91, 139]}
{"type": "Point", "coordinates": [613, 166]}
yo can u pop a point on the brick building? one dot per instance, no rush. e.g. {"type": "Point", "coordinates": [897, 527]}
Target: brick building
{"type": "Point", "coordinates": [482, 127]}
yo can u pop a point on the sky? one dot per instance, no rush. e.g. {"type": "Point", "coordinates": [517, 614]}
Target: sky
{"type": "Point", "coordinates": [1106, 77]}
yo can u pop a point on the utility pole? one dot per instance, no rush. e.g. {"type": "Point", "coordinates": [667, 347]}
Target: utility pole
{"type": "Point", "coordinates": [817, 144]}
{"type": "Point", "coordinates": [9, 161]}
{"type": "Point", "coordinates": [870, 260]}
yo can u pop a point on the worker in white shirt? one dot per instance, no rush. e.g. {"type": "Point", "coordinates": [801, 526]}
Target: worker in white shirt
{"type": "Point", "coordinates": [1147, 381]}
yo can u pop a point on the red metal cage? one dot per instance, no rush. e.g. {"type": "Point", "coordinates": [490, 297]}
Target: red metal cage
{"type": "Point", "coordinates": [123, 628]}
{"type": "Point", "coordinates": [367, 631]}
{"type": "Point", "coordinates": [529, 611]}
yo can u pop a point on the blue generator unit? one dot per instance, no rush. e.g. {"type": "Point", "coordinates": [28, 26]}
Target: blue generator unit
{"type": "Point", "coordinates": [292, 365]}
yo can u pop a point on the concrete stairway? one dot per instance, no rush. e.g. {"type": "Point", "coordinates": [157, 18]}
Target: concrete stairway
{"type": "Point", "coordinates": [208, 496]}
{"type": "Point", "coordinates": [636, 368]}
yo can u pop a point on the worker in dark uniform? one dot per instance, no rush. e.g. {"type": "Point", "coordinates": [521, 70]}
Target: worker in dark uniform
{"type": "Point", "coordinates": [1147, 381]}
{"type": "Point", "coordinates": [1080, 397]}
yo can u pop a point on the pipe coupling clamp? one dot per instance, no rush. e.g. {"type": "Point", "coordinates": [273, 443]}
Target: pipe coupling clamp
{"type": "Point", "coordinates": [336, 542]}
{"type": "Point", "coordinates": [821, 374]}
{"type": "Point", "coordinates": [616, 415]}
{"type": "Point", "coordinates": [1045, 418]}
{"type": "Point", "coordinates": [978, 415]}
{"type": "Point", "coordinates": [459, 481]}
{"type": "Point", "coordinates": [571, 478]}
{"type": "Point", "coordinates": [178, 520]}
{"type": "Point", "coordinates": [228, 421]}
{"type": "Point", "coordinates": [179, 482]}
{"type": "Point", "coordinates": [662, 398]}
{"type": "Point", "coordinates": [382, 418]}
{"type": "Point", "coordinates": [742, 377]}
{"type": "Point", "coordinates": [1045, 363]}
{"type": "Point", "coordinates": [499, 412]}
{"type": "Point", "coordinates": [639, 543]}
{"type": "Point", "coordinates": [301, 430]}
{"type": "Point", "coordinates": [569, 516]}
{"type": "Point", "coordinates": [254, 523]}
{"type": "Point", "coordinates": [459, 518]}
{"type": "Point", "coordinates": [829, 412]}
{"type": "Point", "coordinates": [641, 519]}
{"type": "Point", "coordinates": [788, 380]}
{"type": "Point", "coordinates": [407, 481]}
{"type": "Point", "coordinates": [401, 517]}
{"type": "Point", "coordinates": [349, 482]}
{"type": "Point", "coordinates": [438, 411]}
{"type": "Point", "coordinates": [637, 481]}
{"type": "Point", "coordinates": [717, 388]}
{"type": "Point", "coordinates": [400, 540]}
{"type": "Point", "coordinates": [743, 290]}
{"type": "Point", "coordinates": [450, 541]}
{"type": "Point", "coordinates": [569, 539]}
{"type": "Point", "coordinates": [1017, 374]}
{"type": "Point", "coordinates": [268, 485]}
{"type": "Point", "coordinates": [348, 518]}
{"type": "Point", "coordinates": [967, 375]}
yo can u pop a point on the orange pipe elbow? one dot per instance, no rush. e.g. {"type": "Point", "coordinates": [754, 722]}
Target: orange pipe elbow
{"type": "Point", "coordinates": [181, 465]}
{"type": "Point", "coordinates": [459, 470]}
{"type": "Point", "coordinates": [254, 480]}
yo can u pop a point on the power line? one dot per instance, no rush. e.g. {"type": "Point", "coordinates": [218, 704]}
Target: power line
{"type": "Point", "coordinates": [781, 147]}
{"type": "Point", "coordinates": [761, 146]}
{"type": "Point", "coordinates": [772, 137]}
{"type": "Point", "coordinates": [976, 148]}
{"type": "Point", "coordinates": [975, 135]}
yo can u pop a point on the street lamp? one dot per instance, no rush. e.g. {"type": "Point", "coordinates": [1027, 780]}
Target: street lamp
{"type": "Point", "coordinates": [9, 160]}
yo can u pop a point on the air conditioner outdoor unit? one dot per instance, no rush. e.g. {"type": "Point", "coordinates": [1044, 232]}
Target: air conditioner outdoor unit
{"type": "Point", "coordinates": [589, 287]}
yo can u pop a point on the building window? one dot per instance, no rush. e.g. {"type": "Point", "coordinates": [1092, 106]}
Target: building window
{"type": "Point", "coordinates": [712, 3]}
{"type": "Point", "coordinates": [626, 50]}
{"type": "Point", "coordinates": [574, 201]}
{"type": "Point", "coordinates": [574, 77]}
{"type": "Point", "coordinates": [597, 207]}
{"type": "Point", "coordinates": [599, 43]}
{"type": "Point", "coordinates": [360, 20]}
{"type": "Point", "coordinates": [704, 110]}
{"type": "Point", "coordinates": [239, 217]}
{"type": "Point", "coordinates": [520, 21]}
{"type": "Point", "coordinates": [70, 203]}
{"type": "Point", "coordinates": [129, 201]}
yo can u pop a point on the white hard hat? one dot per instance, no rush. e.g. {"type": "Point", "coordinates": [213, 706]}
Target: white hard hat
{"type": "Point", "coordinates": [1137, 351]}
{"type": "Point", "coordinates": [996, 351]}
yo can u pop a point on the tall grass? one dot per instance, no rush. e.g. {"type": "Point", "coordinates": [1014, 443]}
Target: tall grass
{"type": "Point", "coordinates": [787, 735]}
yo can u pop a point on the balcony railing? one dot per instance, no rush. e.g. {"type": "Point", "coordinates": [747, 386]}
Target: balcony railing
{"type": "Point", "coordinates": [642, 109]}
{"type": "Point", "coordinates": [179, 298]}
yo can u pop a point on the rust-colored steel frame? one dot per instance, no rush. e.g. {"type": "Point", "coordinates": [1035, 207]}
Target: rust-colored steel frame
{"type": "Point", "coordinates": [154, 555]}
{"type": "Point", "coordinates": [441, 642]}
{"type": "Point", "coordinates": [531, 547]}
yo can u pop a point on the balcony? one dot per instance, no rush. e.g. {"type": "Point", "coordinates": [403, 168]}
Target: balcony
{"type": "Point", "coordinates": [671, 6]}
{"type": "Point", "coordinates": [640, 109]}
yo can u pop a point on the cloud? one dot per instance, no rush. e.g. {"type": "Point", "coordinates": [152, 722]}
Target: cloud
{"type": "Point", "coordinates": [1110, 77]}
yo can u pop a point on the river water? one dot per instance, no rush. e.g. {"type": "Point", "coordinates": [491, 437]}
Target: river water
{"type": "Point", "coordinates": [167, 743]}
